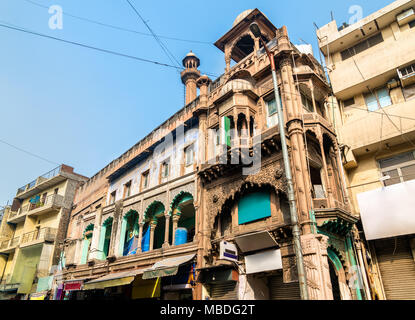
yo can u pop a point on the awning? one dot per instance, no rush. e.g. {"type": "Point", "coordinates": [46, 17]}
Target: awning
{"type": "Point", "coordinates": [113, 280]}
{"type": "Point", "coordinates": [255, 241]}
{"type": "Point", "coordinates": [166, 267]}
{"type": "Point", "coordinates": [263, 261]}
{"type": "Point", "coordinates": [38, 295]}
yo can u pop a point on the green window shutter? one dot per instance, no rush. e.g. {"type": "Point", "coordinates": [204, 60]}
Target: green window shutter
{"type": "Point", "coordinates": [123, 236]}
{"type": "Point", "coordinates": [85, 249]}
{"type": "Point", "coordinates": [226, 127]}
{"type": "Point", "coordinates": [101, 242]}
{"type": "Point", "coordinates": [254, 206]}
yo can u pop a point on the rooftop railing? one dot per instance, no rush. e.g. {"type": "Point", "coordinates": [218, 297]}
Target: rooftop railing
{"type": "Point", "coordinates": [44, 177]}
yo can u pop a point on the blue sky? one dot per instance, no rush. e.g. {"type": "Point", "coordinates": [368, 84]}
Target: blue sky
{"type": "Point", "coordinates": [84, 108]}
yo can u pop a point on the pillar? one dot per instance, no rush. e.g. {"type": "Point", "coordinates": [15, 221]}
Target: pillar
{"type": "Point", "coordinates": [140, 235]}
{"type": "Point", "coordinates": [94, 253]}
{"type": "Point", "coordinates": [296, 137]}
{"type": "Point", "coordinates": [153, 225]}
{"type": "Point", "coordinates": [166, 231]}
{"type": "Point", "coordinates": [176, 218]}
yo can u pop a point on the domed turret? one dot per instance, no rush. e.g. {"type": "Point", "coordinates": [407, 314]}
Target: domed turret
{"type": "Point", "coordinates": [189, 75]}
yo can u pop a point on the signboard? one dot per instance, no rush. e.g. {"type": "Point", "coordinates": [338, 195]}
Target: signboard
{"type": "Point", "coordinates": [228, 251]}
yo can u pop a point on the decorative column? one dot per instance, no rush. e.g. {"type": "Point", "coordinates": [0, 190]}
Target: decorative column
{"type": "Point", "coordinates": [153, 225]}
{"type": "Point", "coordinates": [328, 188]}
{"type": "Point", "coordinates": [176, 218]}
{"type": "Point", "coordinates": [297, 149]}
{"type": "Point", "coordinates": [203, 84]}
{"type": "Point", "coordinates": [166, 231]}
{"type": "Point", "coordinates": [94, 253]}
{"type": "Point", "coordinates": [140, 235]}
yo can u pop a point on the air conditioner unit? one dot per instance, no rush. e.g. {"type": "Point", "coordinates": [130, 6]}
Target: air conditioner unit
{"type": "Point", "coordinates": [405, 16]}
{"type": "Point", "coordinates": [393, 83]}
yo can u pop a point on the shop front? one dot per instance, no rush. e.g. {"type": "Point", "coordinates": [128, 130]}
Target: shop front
{"type": "Point", "coordinates": [176, 277]}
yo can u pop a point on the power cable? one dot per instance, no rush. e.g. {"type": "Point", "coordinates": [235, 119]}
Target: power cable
{"type": "Point", "coordinates": [117, 27]}
{"type": "Point", "coordinates": [88, 46]}
{"type": "Point", "coordinates": [162, 45]}
{"type": "Point", "coordinates": [28, 152]}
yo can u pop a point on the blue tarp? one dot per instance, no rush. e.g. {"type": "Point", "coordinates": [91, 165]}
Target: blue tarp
{"type": "Point", "coordinates": [145, 243]}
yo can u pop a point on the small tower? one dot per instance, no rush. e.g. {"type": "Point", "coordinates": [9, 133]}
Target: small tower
{"type": "Point", "coordinates": [190, 75]}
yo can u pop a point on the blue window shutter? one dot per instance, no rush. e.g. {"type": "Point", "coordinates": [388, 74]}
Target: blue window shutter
{"type": "Point", "coordinates": [371, 102]}
{"type": "Point", "coordinates": [254, 206]}
{"type": "Point", "coordinates": [384, 98]}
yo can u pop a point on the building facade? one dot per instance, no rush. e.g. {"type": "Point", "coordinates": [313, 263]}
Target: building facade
{"type": "Point", "coordinates": [31, 230]}
{"type": "Point", "coordinates": [198, 209]}
{"type": "Point", "coordinates": [371, 66]}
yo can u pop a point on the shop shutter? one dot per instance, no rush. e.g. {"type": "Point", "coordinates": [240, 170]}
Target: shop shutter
{"type": "Point", "coordinates": [397, 268]}
{"type": "Point", "coordinates": [278, 290]}
{"type": "Point", "coordinates": [224, 290]}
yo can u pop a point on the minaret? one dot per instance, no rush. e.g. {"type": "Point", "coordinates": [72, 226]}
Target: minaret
{"type": "Point", "coordinates": [189, 75]}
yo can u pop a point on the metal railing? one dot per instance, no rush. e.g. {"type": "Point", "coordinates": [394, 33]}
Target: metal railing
{"type": "Point", "coordinates": [44, 234]}
{"type": "Point", "coordinates": [53, 199]}
{"type": "Point", "coordinates": [9, 243]}
{"type": "Point", "coordinates": [44, 177]}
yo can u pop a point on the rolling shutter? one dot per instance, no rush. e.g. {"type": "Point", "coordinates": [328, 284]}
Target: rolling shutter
{"type": "Point", "coordinates": [397, 268]}
{"type": "Point", "coordinates": [224, 290]}
{"type": "Point", "coordinates": [278, 290]}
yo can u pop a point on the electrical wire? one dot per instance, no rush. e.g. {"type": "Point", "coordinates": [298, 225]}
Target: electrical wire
{"type": "Point", "coordinates": [28, 152]}
{"type": "Point", "coordinates": [89, 47]}
{"type": "Point", "coordinates": [162, 45]}
{"type": "Point", "coordinates": [107, 25]}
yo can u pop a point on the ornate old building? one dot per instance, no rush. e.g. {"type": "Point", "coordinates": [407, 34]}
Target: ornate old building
{"type": "Point", "coordinates": [198, 209]}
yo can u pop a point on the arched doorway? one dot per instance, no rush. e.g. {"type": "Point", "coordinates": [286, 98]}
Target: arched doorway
{"type": "Point", "coordinates": [337, 277]}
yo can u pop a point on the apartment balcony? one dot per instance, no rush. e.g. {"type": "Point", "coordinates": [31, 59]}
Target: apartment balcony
{"type": "Point", "coordinates": [44, 182]}
{"type": "Point", "coordinates": [52, 202]}
{"type": "Point", "coordinates": [6, 284]}
{"type": "Point", "coordinates": [363, 132]}
{"type": "Point", "coordinates": [38, 236]}
{"type": "Point", "coordinates": [17, 216]}
{"type": "Point", "coordinates": [8, 245]}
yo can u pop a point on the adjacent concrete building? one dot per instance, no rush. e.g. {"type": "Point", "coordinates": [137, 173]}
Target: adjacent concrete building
{"type": "Point", "coordinates": [198, 209]}
{"type": "Point", "coordinates": [31, 230]}
{"type": "Point", "coordinates": [371, 65]}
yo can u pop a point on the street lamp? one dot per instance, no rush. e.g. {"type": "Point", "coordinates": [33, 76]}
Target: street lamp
{"type": "Point", "coordinates": [291, 197]}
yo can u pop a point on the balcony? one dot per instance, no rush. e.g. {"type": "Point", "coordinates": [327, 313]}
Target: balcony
{"type": "Point", "coordinates": [52, 202]}
{"type": "Point", "coordinates": [9, 245]}
{"type": "Point", "coordinates": [362, 130]}
{"type": "Point", "coordinates": [315, 118]}
{"type": "Point", "coordinates": [38, 236]}
{"type": "Point", "coordinates": [6, 284]}
{"type": "Point", "coordinates": [43, 182]}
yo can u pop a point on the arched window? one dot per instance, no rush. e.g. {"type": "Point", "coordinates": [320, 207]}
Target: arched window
{"type": "Point", "coordinates": [105, 238]}
{"type": "Point", "coordinates": [154, 214]}
{"type": "Point", "coordinates": [129, 233]}
{"type": "Point", "coordinates": [182, 206]}
{"type": "Point", "coordinates": [86, 244]}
